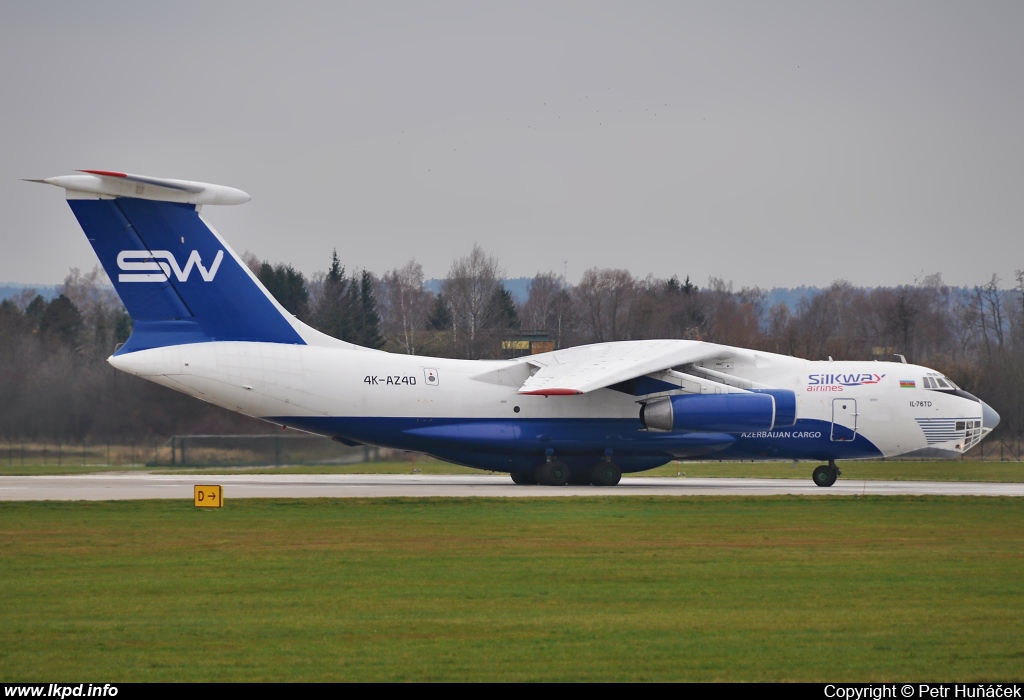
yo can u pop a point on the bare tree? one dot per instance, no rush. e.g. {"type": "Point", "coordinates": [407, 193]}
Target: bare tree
{"type": "Point", "coordinates": [252, 261]}
{"type": "Point", "coordinates": [605, 300]}
{"type": "Point", "coordinates": [985, 316]}
{"type": "Point", "coordinates": [548, 307]}
{"type": "Point", "coordinates": [733, 318]}
{"type": "Point", "coordinates": [468, 289]}
{"type": "Point", "coordinates": [104, 321]}
{"type": "Point", "coordinates": [404, 306]}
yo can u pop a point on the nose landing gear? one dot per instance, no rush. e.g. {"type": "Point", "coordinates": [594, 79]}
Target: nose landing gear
{"type": "Point", "coordinates": [826, 474]}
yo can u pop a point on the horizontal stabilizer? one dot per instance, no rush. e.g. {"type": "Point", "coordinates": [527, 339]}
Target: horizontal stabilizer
{"type": "Point", "coordinates": [105, 184]}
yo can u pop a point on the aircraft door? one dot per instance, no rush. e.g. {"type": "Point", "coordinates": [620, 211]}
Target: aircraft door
{"type": "Point", "coordinates": [844, 420]}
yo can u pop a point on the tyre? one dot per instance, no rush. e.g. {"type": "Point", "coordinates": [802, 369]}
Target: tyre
{"type": "Point", "coordinates": [524, 478]}
{"type": "Point", "coordinates": [824, 476]}
{"type": "Point", "coordinates": [605, 474]}
{"type": "Point", "coordinates": [553, 474]}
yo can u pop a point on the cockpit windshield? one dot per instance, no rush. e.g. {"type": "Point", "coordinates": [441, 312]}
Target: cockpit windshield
{"type": "Point", "coordinates": [939, 382]}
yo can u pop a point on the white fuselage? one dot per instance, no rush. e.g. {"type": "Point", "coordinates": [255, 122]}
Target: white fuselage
{"type": "Point", "coordinates": [365, 396]}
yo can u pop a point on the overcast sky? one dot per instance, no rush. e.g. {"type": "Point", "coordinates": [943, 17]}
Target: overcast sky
{"type": "Point", "coordinates": [767, 143]}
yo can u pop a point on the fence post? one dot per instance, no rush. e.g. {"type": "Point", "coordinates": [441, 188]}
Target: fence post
{"type": "Point", "coordinates": [174, 451]}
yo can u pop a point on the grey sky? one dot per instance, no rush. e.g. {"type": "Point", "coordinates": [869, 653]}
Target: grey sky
{"type": "Point", "coordinates": [768, 143]}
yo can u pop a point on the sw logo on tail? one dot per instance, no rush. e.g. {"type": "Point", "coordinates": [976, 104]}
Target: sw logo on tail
{"type": "Point", "coordinates": [146, 266]}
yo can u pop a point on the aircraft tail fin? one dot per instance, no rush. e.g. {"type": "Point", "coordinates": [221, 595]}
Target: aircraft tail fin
{"type": "Point", "coordinates": [178, 279]}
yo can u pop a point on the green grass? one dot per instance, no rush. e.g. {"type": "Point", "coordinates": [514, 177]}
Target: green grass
{"type": "Point", "coordinates": [591, 589]}
{"type": "Point", "coordinates": [65, 470]}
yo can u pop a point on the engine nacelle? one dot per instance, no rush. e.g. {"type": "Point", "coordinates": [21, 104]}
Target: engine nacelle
{"type": "Point", "coordinates": [721, 413]}
{"type": "Point", "coordinates": [785, 406]}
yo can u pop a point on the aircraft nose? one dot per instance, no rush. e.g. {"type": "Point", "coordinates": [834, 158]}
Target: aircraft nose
{"type": "Point", "coordinates": [989, 418]}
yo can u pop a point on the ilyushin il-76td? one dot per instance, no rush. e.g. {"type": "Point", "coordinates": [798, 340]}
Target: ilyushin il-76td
{"type": "Point", "coordinates": [206, 326]}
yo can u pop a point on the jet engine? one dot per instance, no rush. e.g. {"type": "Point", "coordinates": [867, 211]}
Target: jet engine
{"type": "Point", "coordinates": [721, 413]}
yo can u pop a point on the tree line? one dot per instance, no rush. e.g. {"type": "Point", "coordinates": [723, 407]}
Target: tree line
{"type": "Point", "coordinates": [56, 384]}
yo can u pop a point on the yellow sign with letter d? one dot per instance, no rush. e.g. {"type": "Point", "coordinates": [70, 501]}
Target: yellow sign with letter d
{"type": "Point", "coordinates": [209, 496]}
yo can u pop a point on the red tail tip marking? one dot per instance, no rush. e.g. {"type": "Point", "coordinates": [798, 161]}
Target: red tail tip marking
{"type": "Point", "coordinates": [108, 173]}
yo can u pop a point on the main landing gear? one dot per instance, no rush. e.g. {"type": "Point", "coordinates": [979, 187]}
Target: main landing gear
{"type": "Point", "coordinates": [826, 474]}
{"type": "Point", "coordinates": [556, 473]}
{"type": "Point", "coordinates": [605, 474]}
{"type": "Point", "coordinates": [524, 478]}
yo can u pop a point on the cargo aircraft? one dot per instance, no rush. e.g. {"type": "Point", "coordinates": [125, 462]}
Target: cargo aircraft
{"type": "Point", "coordinates": [206, 326]}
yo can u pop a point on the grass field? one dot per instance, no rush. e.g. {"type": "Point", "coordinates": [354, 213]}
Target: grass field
{"type": "Point", "coordinates": [630, 589]}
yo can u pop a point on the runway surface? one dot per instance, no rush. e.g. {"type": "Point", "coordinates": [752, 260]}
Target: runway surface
{"type": "Point", "coordinates": [128, 486]}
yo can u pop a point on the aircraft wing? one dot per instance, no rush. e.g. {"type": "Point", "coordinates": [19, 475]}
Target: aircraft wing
{"type": "Point", "coordinates": [589, 367]}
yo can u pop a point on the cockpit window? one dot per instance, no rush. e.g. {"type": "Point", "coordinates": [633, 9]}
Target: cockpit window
{"type": "Point", "coordinates": [938, 382]}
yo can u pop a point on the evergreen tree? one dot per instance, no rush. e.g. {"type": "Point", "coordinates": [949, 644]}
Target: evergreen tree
{"type": "Point", "coordinates": [123, 327]}
{"type": "Point", "coordinates": [369, 332]}
{"type": "Point", "coordinates": [440, 318]}
{"type": "Point", "coordinates": [62, 322]}
{"type": "Point", "coordinates": [345, 307]}
{"type": "Point", "coordinates": [331, 316]}
{"type": "Point", "coordinates": [35, 310]}
{"type": "Point", "coordinates": [287, 286]}
{"type": "Point", "coordinates": [13, 323]}
{"type": "Point", "coordinates": [501, 310]}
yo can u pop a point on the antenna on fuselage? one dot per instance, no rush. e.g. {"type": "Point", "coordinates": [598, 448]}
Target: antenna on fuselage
{"type": "Point", "coordinates": [902, 358]}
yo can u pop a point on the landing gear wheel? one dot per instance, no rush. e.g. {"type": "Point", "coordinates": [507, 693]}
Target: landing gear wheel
{"type": "Point", "coordinates": [825, 475]}
{"type": "Point", "coordinates": [524, 478]}
{"type": "Point", "coordinates": [553, 474]}
{"type": "Point", "coordinates": [605, 474]}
